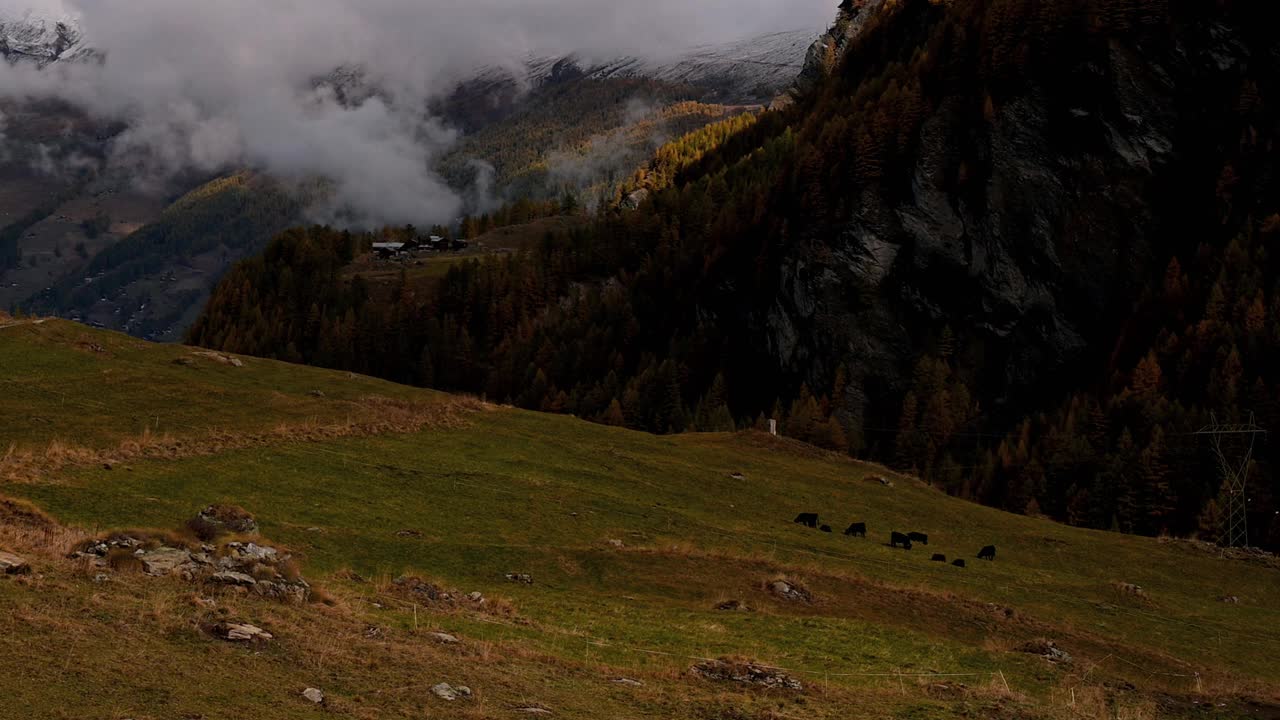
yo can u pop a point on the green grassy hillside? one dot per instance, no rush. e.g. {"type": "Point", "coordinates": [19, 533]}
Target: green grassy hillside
{"type": "Point", "coordinates": [366, 481]}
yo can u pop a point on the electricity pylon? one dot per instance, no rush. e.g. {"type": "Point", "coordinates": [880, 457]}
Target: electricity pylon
{"type": "Point", "coordinates": [1235, 473]}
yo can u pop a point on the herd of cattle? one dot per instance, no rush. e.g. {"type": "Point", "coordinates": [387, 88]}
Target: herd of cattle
{"type": "Point", "coordinates": [896, 539]}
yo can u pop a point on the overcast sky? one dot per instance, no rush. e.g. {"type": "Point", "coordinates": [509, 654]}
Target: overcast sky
{"type": "Point", "coordinates": [211, 83]}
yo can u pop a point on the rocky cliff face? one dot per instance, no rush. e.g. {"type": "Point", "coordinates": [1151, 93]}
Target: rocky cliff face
{"type": "Point", "coordinates": [1068, 200]}
{"type": "Point", "coordinates": [824, 54]}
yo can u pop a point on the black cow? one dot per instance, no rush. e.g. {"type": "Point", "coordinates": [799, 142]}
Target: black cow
{"type": "Point", "coordinates": [959, 562]}
{"type": "Point", "coordinates": [897, 538]}
{"type": "Point", "coordinates": [938, 557]}
{"type": "Point", "coordinates": [987, 553]}
{"type": "Point", "coordinates": [807, 519]}
{"type": "Point", "coordinates": [919, 537]}
{"type": "Point", "coordinates": [825, 528]}
{"type": "Point", "coordinates": [857, 529]}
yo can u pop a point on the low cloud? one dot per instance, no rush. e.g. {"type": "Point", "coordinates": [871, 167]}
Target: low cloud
{"type": "Point", "coordinates": [209, 86]}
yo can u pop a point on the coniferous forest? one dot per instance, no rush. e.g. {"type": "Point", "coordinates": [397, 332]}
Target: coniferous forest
{"type": "Point", "coordinates": [1021, 247]}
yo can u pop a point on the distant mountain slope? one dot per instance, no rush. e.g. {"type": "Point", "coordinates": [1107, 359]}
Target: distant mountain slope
{"type": "Point", "coordinates": [748, 71]}
{"type": "Point", "coordinates": [153, 282]}
{"type": "Point", "coordinates": [584, 125]}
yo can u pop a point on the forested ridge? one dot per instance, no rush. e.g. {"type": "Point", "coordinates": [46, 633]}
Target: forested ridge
{"type": "Point", "coordinates": [1022, 248]}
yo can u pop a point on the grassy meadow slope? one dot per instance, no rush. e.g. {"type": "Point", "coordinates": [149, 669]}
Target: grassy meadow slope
{"type": "Point", "coordinates": [366, 481]}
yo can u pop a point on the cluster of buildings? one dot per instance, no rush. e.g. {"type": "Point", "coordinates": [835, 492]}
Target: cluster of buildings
{"type": "Point", "coordinates": [431, 243]}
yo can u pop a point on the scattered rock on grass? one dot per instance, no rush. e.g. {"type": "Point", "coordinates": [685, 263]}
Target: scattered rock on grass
{"type": "Point", "coordinates": [1229, 599]}
{"type": "Point", "coordinates": [475, 597]}
{"type": "Point", "coordinates": [534, 711]}
{"type": "Point", "coordinates": [408, 533]}
{"type": "Point", "coordinates": [423, 589]}
{"type": "Point", "coordinates": [745, 673]}
{"type": "Point", "coordinates": [790, 591]}
{"type": "Point", "coordinates": [241, 632]}
{"type": "Point", "coordinates": [444, 638]}
{"type": "Point", "coordinates": [216, 520]}
{"type": "Point", "coordinates": [525, 578]}
{"type": "Point", "coordinates": [947, 690]}
{"type": "Point", "coordinates": [1046, 649]}
{"type": "Point", "coordinates": [445, 691]}
{"type": "Point", "coordinates": [11, 564]}
{"type": "Point", "coordinates": [1132, 590]}
{"type": "Point", "coordinates": [314, 695]}
{"type": "Point", "coordinates": [628, 682]}
{"type": "Point", "coordinates": [616, 543]}
{"type": "Point", "coordinates": [220, 358]}
{"type": "Point", "coordinates": [733, 606]}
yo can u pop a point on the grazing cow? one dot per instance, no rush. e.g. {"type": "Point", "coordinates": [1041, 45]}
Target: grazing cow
{"type": "Point", "coordinates": [807, 519]}
{"type": "Point", "coordinates": [959, 562]}
{"type": "Point", "coordinates": [897, 538]}
{"type": "Point", "coordinates": [919, 537]}
{"type": "Point", "coordinates": [938, 557]}
{"type": "Point", "coordinates": [825, 528]}
{"type": "Point", "coordinates": [987, 553]}
{"type": "Point", "coordinates": [857, 529]}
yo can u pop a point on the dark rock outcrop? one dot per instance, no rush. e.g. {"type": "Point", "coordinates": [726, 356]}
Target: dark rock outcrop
{"type": "Point", "coordinates": [745, 673]}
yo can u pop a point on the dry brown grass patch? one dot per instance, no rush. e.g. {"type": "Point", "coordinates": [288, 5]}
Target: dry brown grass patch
{"type": "Point", "coordinates": [373, 415]}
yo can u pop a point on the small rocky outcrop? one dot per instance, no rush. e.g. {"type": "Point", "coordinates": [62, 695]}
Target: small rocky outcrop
{"type": "Point", "coordinates": [220, 358]}
{"type": "Point", "coordinates": [11, 564]}
{"type": "Point", "coordinates": [259, 569]}
{"type": "Point", "coordinates": [315, 695]}
{"type": "Point", "coordinates": [447, 692]}
{"type": "Point", "coordinates": [1046, 649]}
{"type": "Point", "coordinates": [790, 591]}
{"type": "Point", "coordinates": [240, 632]}
{"type": "Point", "coordinates": [424, 590]}
{"type": "Point", "coordinates": [745, 673]}
{"type": "Point", "coordinates": [217, 520]}
{"type": "Point", "coordinates": [1133, 591]}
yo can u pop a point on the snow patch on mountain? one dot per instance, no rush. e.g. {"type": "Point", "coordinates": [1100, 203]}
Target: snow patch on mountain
{"type": "Point", "coordinates": [744, 71]}
{"type": "Point", "coordinates": [28, 36]}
